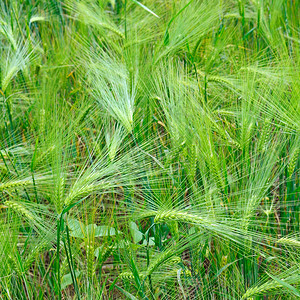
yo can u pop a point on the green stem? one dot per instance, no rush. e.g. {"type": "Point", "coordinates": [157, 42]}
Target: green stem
{"type": "Point", "coordinates": [125, 14]}
{"type": "Point", "coordinates": [71, 264]}
{"type": "Point", "coordinates": [148, 262]}
{"type": "Point", "coordinates": [59, 224]}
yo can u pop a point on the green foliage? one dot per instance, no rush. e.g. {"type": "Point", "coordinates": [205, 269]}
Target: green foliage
{"type": "Point", "coordinates": [149, 149]}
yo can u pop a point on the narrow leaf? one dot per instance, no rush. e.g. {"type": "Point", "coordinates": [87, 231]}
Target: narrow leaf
{"type": "Point", "coordinates": [286, 285]}
{"type": "Point", "coordinates": [145, 8]}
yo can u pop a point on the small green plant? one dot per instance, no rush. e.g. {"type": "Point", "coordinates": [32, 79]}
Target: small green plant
{"type": "Point", "coordinates": [149, 149]}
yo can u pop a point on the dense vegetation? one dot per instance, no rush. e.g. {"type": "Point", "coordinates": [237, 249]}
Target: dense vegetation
{"type": "Point", "coordinates": [149, 150]}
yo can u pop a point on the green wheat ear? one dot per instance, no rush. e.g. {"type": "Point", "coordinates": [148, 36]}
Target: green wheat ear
{"type": "Point", "coordinates": [14, 184]}
{"type": "Point", "coordinates": [289, 241]}
{"type": "Point", "coordinates": [59, 195]}
{"type": "Point", "coordinates": [269, 286]}
{"type": "Point", "coordinates": [16, 265]}
{"type": "Point", "coordinates": [19, 208]}
{"type": "Point", "coordinates": [33, 255]}
{"type": "Point", "coordinates": [173, 215]}
{"type": "Point", "coordinates": [166, 257]}
{"type": "Point", "coordinates": [294, 158]}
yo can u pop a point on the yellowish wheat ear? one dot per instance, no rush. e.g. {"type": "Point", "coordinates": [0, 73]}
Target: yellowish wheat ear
{"type": "Point", "coordinates": [19, 208]}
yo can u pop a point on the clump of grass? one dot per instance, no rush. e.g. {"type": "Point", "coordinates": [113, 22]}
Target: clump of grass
{"type": "Point", "coordinates": [149, 149]}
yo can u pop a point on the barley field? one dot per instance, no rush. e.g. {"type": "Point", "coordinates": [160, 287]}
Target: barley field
{"type": "Point", "coordinates": [149, 149]}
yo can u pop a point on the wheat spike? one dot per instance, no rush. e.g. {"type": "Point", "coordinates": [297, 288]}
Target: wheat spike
{"type": "Point", "coordinates": [14, 184]}
{"type": "Point", "coordinates": [19, 208]}
{"type": "Point", "coordinates": [293, 161]}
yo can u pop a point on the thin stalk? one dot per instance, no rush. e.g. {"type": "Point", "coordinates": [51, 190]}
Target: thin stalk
{"type": "Point", "coordinates": [148, 261]}
{"type": "Point", "coordinates": [59, 224]}
{"type": "Point", "coordinates": [71, 264]}
{"type": "Point", "coordinates": [125, 15]}
{"type": "Point", "coordinates": [10, 121]}
{"type": "Point", "coordinates": [32, 170]}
